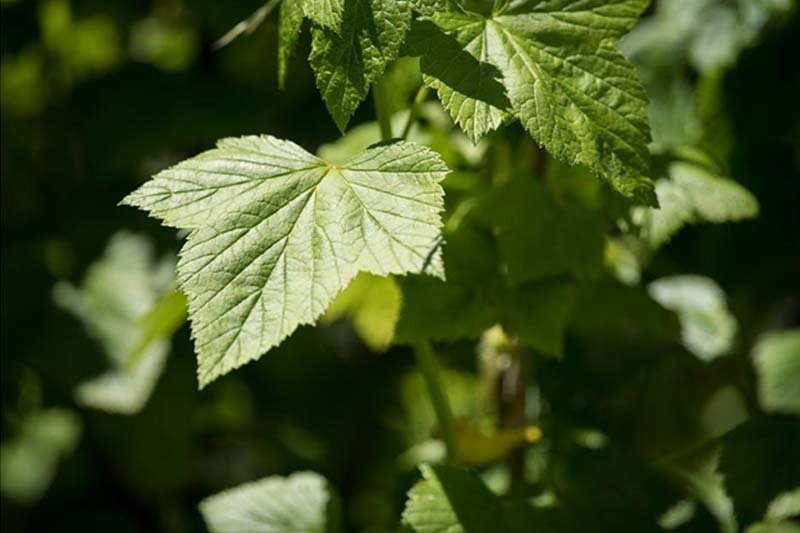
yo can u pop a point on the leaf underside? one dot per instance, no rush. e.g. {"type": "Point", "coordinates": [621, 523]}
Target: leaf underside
{"type": "Point", "coordinates": [277, 233]}
{"type": "Point", "coordinates": [300, 502]}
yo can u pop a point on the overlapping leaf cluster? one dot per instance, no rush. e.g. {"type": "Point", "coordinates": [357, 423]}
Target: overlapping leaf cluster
{"type": "Point", "coordinates": [276, 232]}
{"type": "Point", "coordinates": [552, 65]}
{"type": "Point", "coordinates": [529, 239]}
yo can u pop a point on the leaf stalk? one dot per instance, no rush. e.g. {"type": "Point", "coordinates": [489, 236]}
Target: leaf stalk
{"type": "Point", "coordinates": [382, 111]}
{"type": "Point", "coordinates": [426, 361]}
{"type": "Point", "coordinates": [413, 114]}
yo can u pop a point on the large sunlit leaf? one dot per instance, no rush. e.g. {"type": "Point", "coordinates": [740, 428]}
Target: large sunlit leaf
{"type": "Point", "coordinates": [567, 83]}
{"type": "Point", "coordinates": [303, 502]}
{"type": "Point", "coordinates": [346, 62]}
{"type": "Point", "coordinates": [278, 232]}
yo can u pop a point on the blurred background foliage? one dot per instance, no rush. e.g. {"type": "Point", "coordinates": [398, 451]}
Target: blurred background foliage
{"type": "Point", "coordinates": [672, 404]}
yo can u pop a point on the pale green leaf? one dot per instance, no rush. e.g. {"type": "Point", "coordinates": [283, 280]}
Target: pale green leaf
{"type": "Point", "coordinates": [277, 233]}
{"type": "Point", "coordinates": [162, 320]}
{"type": "Point", "coordinates": [117, 294]}
{"type": "Point", "coordinates": [679, 514]}
{"type": "Point", "coordinates": [302, 502]}
{"type": "Point", "coordinates": [622, 258]}
{"type": "Point", "coordinates": [325, 13]}
{"type": "Point", "coordinates": [785, 506]}
{"type": "Point", "coordinates": [774, 527]}
{"type": "Point", "coordinates": [347, 62]}
{"type": "Point", "coordinates": [693, 195]}
{"type": "Point", "coordinates": [372, 304]}
{"type": "Point", "coordinates": [709, 33]}
{"type": "Point", "coordinates": [451, 500]}
{"type": "Point", "coordinates": [290, 24]}
{"type": "Point", "coordinates": [777, 361]}
{"type": "Point", "coordinates": [566, 82]}
{"type": "Point", "coordinates": [29, 460]}
{"type": "Point", "coordinates": [707, 326]}
{"type": "Point", "coordinates": [125, 390]}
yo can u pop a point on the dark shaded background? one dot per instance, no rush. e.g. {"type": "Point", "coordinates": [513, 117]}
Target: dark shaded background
{"type": "Point", "coordinates": [321, 401]}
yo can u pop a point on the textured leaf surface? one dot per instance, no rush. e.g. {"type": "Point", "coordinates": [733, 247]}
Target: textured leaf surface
{"type": "Point", "coordinates": [693, 195]}
{"type": "Point", "coordinates": [451, 500]}
{"type": "Point", "coordinates": [454, 62]}
{"type": "Point", "coordinates": [277, 233]}
{"type": "Point", "coordinates": [777, 362]}
{"type": "Point", "coordinates": [302, 502]}
{"type": "Point", "coordinates": [565, 80]}
{"type": "Point", "coordinates": [326, 13]}
{"type": "Point", "coordinates": [347, 62]}
{"type": "Point", "coordinates": [290, 24]}
{"type": "Point", "coordinates": [118, 292]}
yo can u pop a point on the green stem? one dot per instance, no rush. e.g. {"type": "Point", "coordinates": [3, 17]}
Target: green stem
{"type": "Point", "coordinates": [422, 94]}
{"type": "Point", "coordinates": [426, 360]}
{"type": "Point", "coordinates": [382, 110]}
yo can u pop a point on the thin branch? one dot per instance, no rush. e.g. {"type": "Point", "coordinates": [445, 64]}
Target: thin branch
{"type": "Point", "coordinates": [248, 25]}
